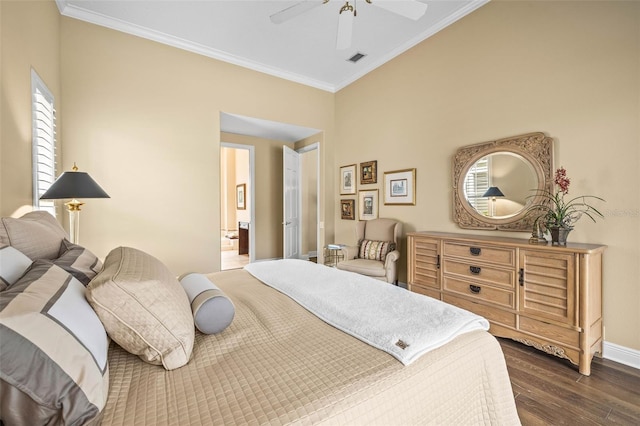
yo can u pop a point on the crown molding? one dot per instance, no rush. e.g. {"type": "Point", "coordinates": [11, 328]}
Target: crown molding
{"type": "Point", "coordinates": [73, 11]}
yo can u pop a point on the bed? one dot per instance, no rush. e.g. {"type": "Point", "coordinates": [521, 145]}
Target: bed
{"type": "Point", "coordinates": [278, 363]}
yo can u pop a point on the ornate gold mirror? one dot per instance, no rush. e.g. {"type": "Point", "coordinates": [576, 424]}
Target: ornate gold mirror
{"type": "Point", "coordinates": [495, 182]}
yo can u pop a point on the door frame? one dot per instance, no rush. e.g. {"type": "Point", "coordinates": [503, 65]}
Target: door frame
{"type": "Point", "coordinates": [252, 194]}
{"type": "Point", "coordinates": [311, 147]}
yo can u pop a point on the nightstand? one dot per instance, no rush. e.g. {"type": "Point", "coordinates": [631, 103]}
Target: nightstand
{"type": "Point", "coordinates": [333, 254]}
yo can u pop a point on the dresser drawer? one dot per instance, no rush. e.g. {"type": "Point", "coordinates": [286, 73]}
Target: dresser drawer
{"type": "Point", "coordinates": [492, 295]}
{"type": "Point", "coordinates": [478, 271]}
{"type": "Point", "coordinates": [545, 330]}
{"type": "Point", "coordinates": [499, 316]}
{"type": "Point", "coordinates": [478, 252]}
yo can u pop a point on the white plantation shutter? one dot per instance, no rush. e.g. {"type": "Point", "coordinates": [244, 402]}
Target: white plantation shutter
{"type": "Point", "coordinates": [44, 142]}
{"type": "Point", "coordinates": [476, 184]}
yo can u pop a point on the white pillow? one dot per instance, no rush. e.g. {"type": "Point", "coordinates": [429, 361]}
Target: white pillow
{"type": "Point", "coordinates": [13, 264]}
{"type": "Point", "coordinates": [212, 309]}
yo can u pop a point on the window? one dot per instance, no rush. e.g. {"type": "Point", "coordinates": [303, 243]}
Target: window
{"type": "Point", "coordinates": [476, 184]}
{"type": "Point", "coordinates": [43, 114]}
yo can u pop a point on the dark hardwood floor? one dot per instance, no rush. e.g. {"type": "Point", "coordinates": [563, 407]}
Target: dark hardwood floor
{"type": "Point", "coordinates": [550, 391]}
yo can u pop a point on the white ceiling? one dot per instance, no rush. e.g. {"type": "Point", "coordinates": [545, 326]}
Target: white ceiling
{"type": "Point", "coordinates": [301, 49]}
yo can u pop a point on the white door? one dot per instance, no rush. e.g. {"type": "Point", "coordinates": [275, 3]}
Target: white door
{"type": "Point", "coordinates": [291, 204]}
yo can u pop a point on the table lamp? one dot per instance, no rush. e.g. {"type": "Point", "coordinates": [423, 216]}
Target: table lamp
{"type": "Point", "coordinates": [74, 185]}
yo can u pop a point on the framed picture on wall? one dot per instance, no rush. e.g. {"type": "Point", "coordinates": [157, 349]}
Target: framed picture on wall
{"type": "Point", "coordinates": [241, 196]}
{"type": "Point", "coordinates": [368, 172]}
{"type": "Point", "coordinates": [348, 179]}
{"type": "Point", "coordinates": [348, 209]}
{"type": "Point", "coordinates": [368, 201]}
{"type": "Point", "coordinates": [400, 187]}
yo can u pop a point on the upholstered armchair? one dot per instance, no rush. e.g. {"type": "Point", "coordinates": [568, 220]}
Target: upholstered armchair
{"type": "Point", "coordinates": [376, 254]}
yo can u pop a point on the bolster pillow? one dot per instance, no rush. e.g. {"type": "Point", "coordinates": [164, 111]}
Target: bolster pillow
{"type": "Point", "coordinates": [212, 309]}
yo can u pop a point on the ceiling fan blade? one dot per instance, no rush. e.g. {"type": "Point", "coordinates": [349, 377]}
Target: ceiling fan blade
{"type": "Point", "coordinates": [345, 30]}
{"type": "Point", "coordinates": [295, 10]}
{"type": "Point", "coordinates": [411, 9]}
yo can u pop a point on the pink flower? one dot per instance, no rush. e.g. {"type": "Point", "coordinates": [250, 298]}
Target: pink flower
{"type": "Point", "coordinates": [562, 180]}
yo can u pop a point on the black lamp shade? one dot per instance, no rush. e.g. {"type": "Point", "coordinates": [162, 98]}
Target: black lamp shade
{"type": "Point", "coordinates": [74, 185]}
{"type": "Point", "coordinates": [493, 191]}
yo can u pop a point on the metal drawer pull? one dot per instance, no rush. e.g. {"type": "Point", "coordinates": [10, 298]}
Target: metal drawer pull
{"type": "Point", "coordinates": [521, 279]}
{"type": "Point", "coordinates": [475, 270]}
{"type": "Point", "coordinates": [438, 264]}
{"type": "Point", "coordinates": [475, 251]}
{"type": "Point", "coordinates": [475, 288]}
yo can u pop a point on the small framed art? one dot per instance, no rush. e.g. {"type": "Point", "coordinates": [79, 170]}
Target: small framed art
{"type": "Point", "coordinates": [400, 187]}
{"type": "Point", "coordinates": [368, 172]}
{"type": "Point", "coordinates": [348, 209]}
{"type": "Point", "coordinates": [368, 204]}
{"type": "Point", "coordinates": [348, 179]}
{"type": "Point", "coordinates": [241, 196]}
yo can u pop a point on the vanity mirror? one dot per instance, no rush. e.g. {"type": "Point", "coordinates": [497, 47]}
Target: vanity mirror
{"type": "Point", "coordinates": [495, 182]}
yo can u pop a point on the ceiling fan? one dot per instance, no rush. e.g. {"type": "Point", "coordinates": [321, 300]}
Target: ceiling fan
{"type": "Point", "coordinates": [412, 9]}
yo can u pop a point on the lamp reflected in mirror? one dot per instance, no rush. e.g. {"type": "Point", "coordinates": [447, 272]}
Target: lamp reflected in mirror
{"type": "Point", "coordinates": [492, 193]}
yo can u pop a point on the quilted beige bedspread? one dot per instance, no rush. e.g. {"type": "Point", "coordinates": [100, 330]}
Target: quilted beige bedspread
{"type": "Point", "coordinates": [279, 364]}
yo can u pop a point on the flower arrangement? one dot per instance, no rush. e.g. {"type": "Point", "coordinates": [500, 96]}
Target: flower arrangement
{"type": "Point", "coordinates": [555, 211]}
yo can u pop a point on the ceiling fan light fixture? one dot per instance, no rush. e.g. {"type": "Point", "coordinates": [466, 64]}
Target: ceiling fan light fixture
{"type": "Point", "coordinates": [345, 27]}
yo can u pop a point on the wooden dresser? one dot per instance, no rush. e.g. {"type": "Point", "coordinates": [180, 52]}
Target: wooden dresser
{"type": "Point", "coordinates": [548, 297]}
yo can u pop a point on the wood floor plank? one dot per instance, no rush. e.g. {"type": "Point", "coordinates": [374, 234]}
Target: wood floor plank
{"type": "Point", "coordinates": [550, 391]}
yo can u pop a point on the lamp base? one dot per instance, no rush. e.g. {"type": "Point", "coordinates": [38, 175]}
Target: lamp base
{"type": "Point", "coordinates": [73, 207]}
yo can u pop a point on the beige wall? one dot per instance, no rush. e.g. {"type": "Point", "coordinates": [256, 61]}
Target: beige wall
{"type": "Point", "coordinates": [29, 37]}
{"type": "Point", "coordinates": [234, 170]}
{"type": "Point", "coordinates": [143, 119]}
{"type": "Point", "coordinates": [568, 69]}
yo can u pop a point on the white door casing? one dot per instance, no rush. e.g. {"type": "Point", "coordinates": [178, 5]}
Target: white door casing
{"type": "Point", "coordinates": [291, 204]}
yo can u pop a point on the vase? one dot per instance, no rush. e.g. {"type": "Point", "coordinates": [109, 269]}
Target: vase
{"type": "Point", "coordinates": [559, 235]}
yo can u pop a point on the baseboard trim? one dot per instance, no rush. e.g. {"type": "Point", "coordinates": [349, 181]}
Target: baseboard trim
{"type": "Point", "coordinates": [621, 354]}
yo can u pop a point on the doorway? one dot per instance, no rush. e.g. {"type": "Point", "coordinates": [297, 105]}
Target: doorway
{"type": "Point", "coordinates": [236, 205]}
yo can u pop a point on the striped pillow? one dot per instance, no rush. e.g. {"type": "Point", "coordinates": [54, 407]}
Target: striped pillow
{"type": "Point", "coordinates": [375, 250]}
{"type": "Point", "coordinates": [53, 363]}
{"type": "Point", "coordinates": [78, 261]}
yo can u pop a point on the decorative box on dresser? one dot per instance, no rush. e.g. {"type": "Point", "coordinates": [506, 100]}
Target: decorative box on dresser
{"type": "Point", "coordinates": [546, 296]}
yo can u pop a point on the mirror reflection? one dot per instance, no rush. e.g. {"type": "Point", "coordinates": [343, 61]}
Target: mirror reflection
{"type": "Point", "coordinates": [498, 184]}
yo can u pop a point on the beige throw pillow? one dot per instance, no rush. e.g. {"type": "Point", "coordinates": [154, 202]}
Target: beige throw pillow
{"type": "Point", "coordinates": [143, 307]}
{"type": "Point", "coordinates": [36, 234]}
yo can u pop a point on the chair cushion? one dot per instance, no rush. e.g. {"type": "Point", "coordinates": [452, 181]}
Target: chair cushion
{"type": "Point", "coordinates": [375, 250]}
{"type": "Point", "coordinates": [372, 268]}
{"type": "Point", "coordinates": [143, 307]}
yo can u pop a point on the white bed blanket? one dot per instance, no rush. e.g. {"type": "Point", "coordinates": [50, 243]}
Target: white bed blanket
{"type": "Point", "coordinates": [399, 322]}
